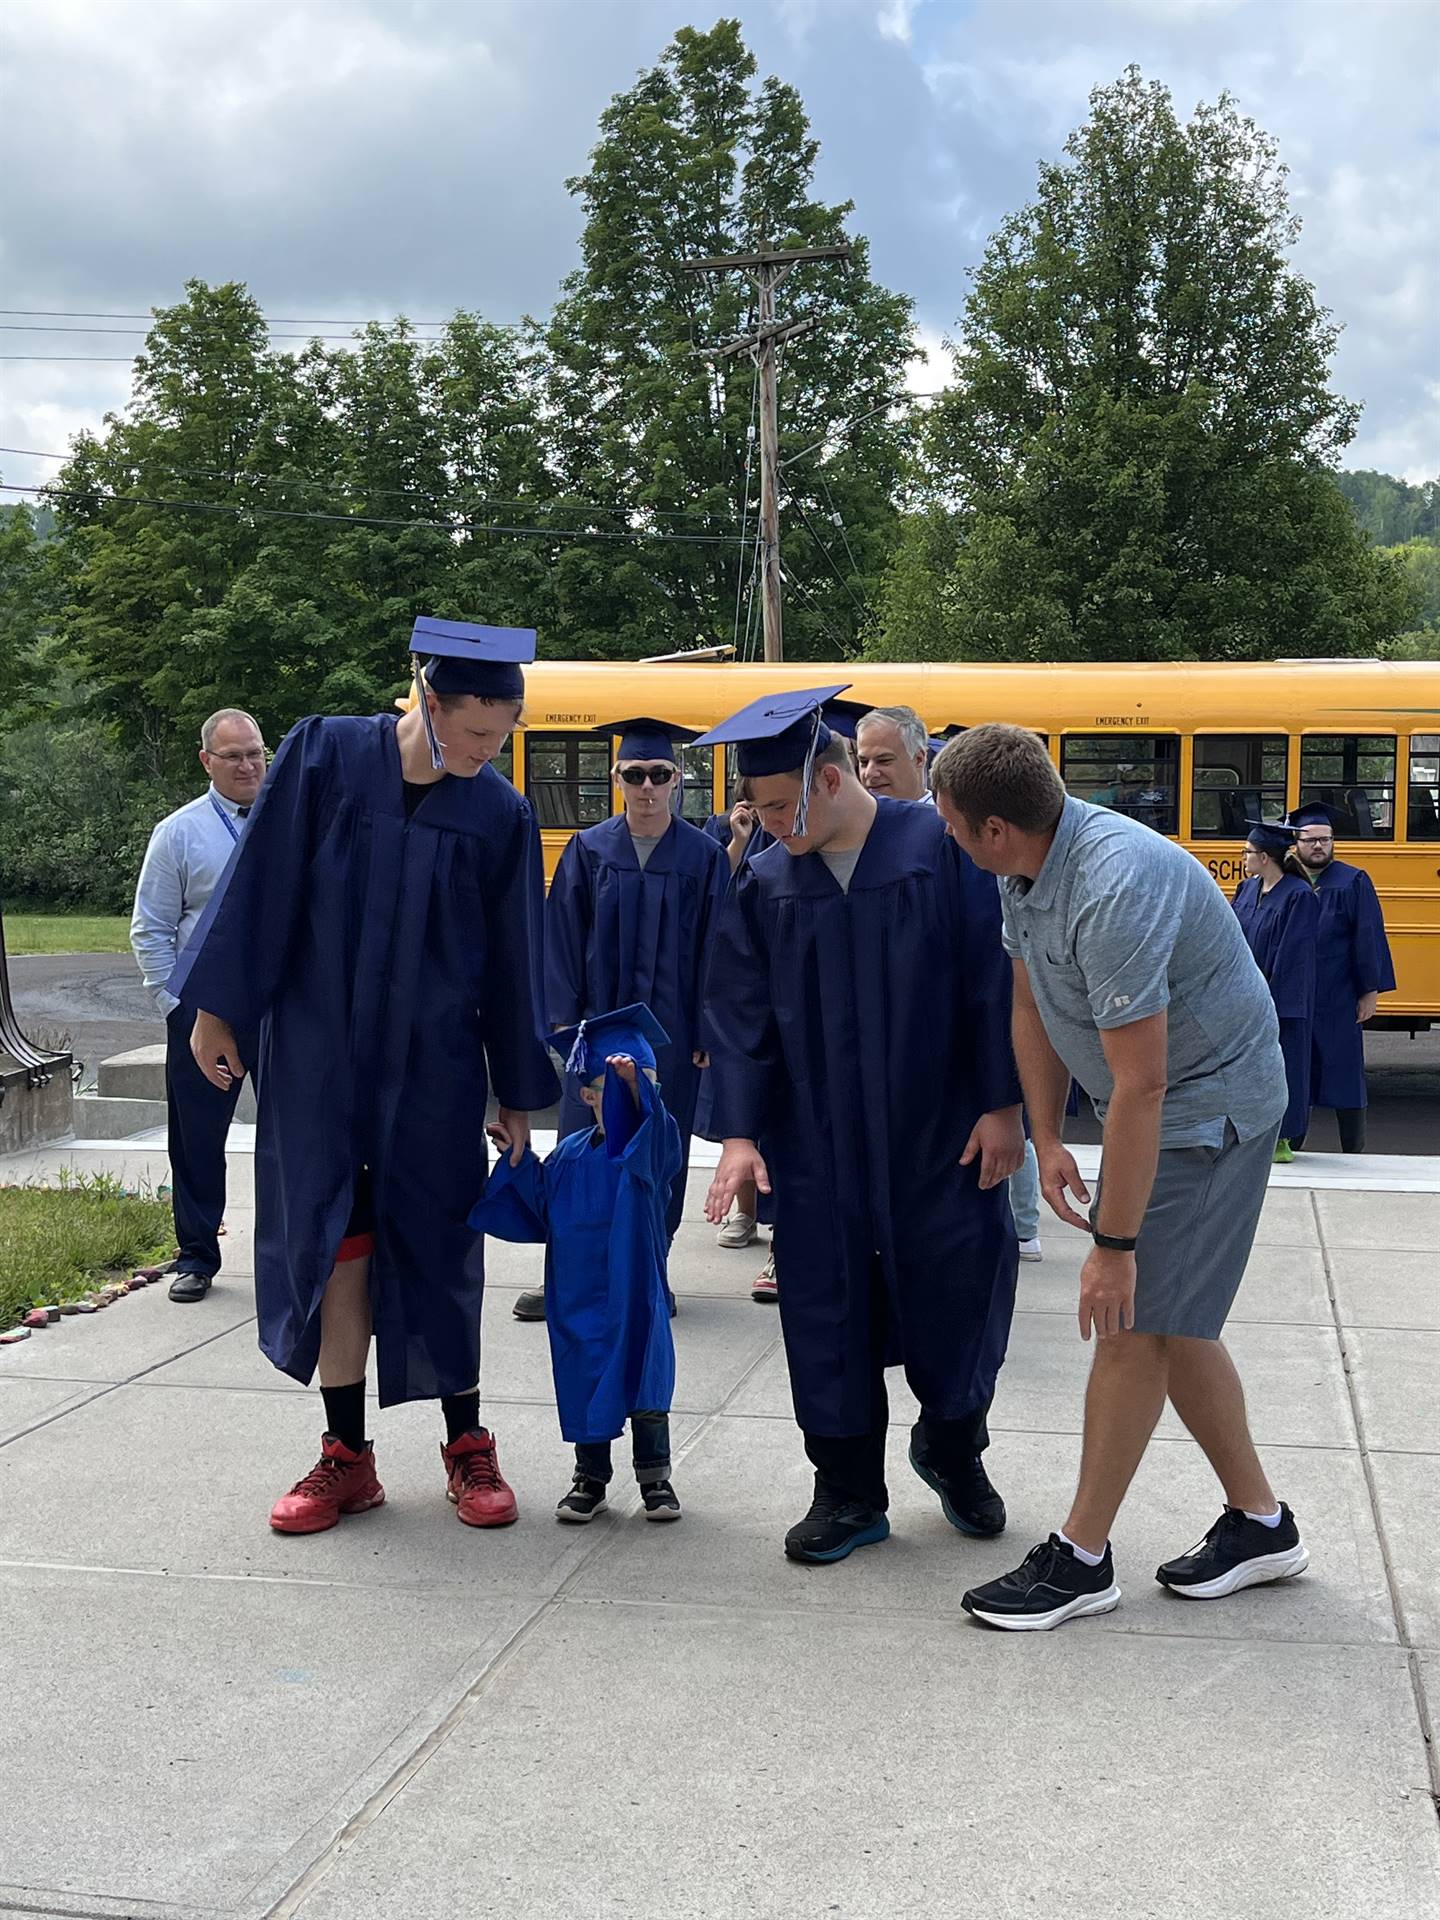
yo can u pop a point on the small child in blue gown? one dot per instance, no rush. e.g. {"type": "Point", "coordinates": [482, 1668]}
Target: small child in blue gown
{"type": "Point", "coordinates": [598, 1204]}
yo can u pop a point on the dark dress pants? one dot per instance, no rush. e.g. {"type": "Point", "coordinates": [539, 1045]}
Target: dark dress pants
{"type": "Point", "coordinates": [200, 1117]}
{"type": "Point", "coordinates": [855, 1464]}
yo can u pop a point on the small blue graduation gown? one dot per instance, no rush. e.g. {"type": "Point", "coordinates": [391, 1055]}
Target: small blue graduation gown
{"type": "Point", "coordinates": [858, 1038]}
{"type": "Point", "coordinates": [598, 1203]}
{"type": "Point", "coordinates": [1282, 927]}
{"type": "Point", "coordinates": [616, 934]}
{"type": "Point", "coordinates": [386, 961]}
{"type": "Point", "coordinates": [1352, 959]}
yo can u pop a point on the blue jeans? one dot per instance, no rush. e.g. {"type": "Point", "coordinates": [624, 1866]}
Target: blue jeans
{"type": "Point", "coordinates": [1025, 1196]}
{"type": "Point", "coordinates": [650, 1444]}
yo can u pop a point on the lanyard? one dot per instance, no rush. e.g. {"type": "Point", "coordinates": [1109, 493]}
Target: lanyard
{"type": "Point", "coordinates": [230, 826]}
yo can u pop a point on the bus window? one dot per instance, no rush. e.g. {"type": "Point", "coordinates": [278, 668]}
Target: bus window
{"type": "Point", "coordinates": [567, 779]}
{"type": "Point", "coordinates": [504, 761]}
{"type": "Point", "coordinates": [1423, 816]}
{"type": "Point", "coordinates": [1133, 773]}
{"type": "Point", "coordinates": [697, 764]}
{"type": "Point", "coordinates": [1354, 775]}
{"type": "Point", "coordinates": [1238, 777]}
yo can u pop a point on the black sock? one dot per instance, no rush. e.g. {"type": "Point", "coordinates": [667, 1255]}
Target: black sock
{"type": "Point", "coordinates": [462, 1413]}
{"type": "Point", "coordinates": [345, 1414]}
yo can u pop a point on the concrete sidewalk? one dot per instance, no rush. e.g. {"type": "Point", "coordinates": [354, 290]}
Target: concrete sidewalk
{"type": "Point", "coordinates": [407, 1720]}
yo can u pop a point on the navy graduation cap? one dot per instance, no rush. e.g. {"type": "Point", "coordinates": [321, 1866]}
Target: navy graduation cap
{"type": "Point", "coordinates": [645, 738]}
{"type": "Point", "coordinates": [1314, 813]}
{"type": "Point", "coordinates": [633, 1030]}
{"type": "Point", "coordinates": [945, 736]}
{"type": "Point", "coordinates": [844, 716]}
{"type": "Point", "coordinates": [456, 657]}
{"type": "Point", "coordinates": [1270, 836]}
{"type": "Point", "coordinates": [779, 733]}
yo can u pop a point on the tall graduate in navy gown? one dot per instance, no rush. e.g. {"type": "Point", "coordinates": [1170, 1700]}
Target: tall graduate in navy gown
{"type": "Point", "coordinates": [629, 918]}
{"type": "Point", "coordinates": [859, 1006]}
{"type": "Point", "coordinates": [1281, 921]}
{"type": "Point", "coordinates": [380, 922]}
{"type": "Point", "coordinates": [1353, 968]}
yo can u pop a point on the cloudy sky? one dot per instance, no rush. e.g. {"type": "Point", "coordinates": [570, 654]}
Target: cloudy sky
{"type": "Point", "coordinates": [358, 158]}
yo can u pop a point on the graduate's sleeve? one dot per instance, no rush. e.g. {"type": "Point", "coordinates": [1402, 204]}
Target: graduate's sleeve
{"type": "Point", "coordinates": [510, 1024]}
{"type": "Point", "coordinates": [1374, 969]}
{"type": "Point", "coordinates": [708, 908]}
{"type": "Point", "coordinates": [745, 1058]}
{"type": "Point", "coordinates": [568, 913]}
{"type": "Point", "coordinates": [514, 1205]}
{"type": "Point", "coordinates": [1292, 972]}
{"type": "Point", "coordinates": [645, 1138]}
{"type": "Point", "coordinates": [987, 984]}
{"type": "Point", "coordinates": [238, 954]}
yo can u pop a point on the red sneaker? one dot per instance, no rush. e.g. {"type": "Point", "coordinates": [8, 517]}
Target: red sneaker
{"type": "Point", "coordinates": [339, 1482]}
{"type": "Point", "coordinates": [477, 1486]}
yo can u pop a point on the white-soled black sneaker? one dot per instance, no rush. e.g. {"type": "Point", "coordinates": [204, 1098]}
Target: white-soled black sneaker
{"type": "Point", "coordinates": [1237, 1552]}
{"type": "Point", "coordinates": [585, 1499]}
{"type": "Point", "coordinates": [1051, 1585]}
{"type": "Point", "coordinates": [661, 1501]}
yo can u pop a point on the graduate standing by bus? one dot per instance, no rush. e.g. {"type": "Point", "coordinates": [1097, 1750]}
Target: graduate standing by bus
{"type": "Point", "coordinates": [1353, 968]}
{"type": "Point", "coordinates": [1280, 919]}
{"type": "Point", "coordinates": [379, 922]}
{"type": "Point", "coordinates": [859, 1005]}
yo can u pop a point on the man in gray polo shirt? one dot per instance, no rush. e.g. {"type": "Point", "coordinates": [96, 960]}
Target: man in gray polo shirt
{"type": "Point", "coordinates": [1132, 975]}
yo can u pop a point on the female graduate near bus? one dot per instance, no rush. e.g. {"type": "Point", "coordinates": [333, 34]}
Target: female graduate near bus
{"type": "Point", "coordinates": [1280, 918]}
{"type": "Point", "coordinates": [379, 922]}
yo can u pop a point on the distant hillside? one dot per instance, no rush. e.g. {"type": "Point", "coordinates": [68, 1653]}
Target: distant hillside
{"type": "Point", "coordinates": [1392, 511]}
{"type": "Point", "coordinates": [42, 516]}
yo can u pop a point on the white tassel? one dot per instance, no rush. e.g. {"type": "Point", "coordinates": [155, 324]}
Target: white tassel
{"type": "Point", "coordinates": [437, 758]}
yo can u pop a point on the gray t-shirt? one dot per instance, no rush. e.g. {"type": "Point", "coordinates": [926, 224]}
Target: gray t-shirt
{"type": "Point", "coordinates": [842, 865]}
{"type": "Point", "coordinates": [1120, 923]}
{"type": "Point", "coordinates": [644, 848]}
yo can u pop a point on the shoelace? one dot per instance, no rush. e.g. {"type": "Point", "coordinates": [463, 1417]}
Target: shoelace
{"type": "Point", "coordinates": [480, 1469]}
{"type": "Point", "coordinates": [320, 1477]}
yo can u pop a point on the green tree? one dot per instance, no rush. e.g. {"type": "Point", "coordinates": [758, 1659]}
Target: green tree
{"type": "Point", "coordinates": [653, 437]}
{"type": "Point", "coordinates": [23, 598]}
{"type": "Point", "coordinates": [1392, 511]}
{"type": "Point", "coordinates": [1136, 451]}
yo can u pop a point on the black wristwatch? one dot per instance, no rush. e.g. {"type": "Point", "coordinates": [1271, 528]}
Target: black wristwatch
{"type": "Point", "coordinates": [1113, 1242]}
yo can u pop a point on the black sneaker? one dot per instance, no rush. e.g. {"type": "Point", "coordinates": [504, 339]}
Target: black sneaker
{"type": "Point", "coordinates": [1237, 1552]}
{"type": "Point", "coordinates": [585, 1499]}
{"type": "Point", "coordinates": [1051, 1584]}
{"type": "Point", "coordinates": [661, 1501]}
{"type": "Point", "coordinates": [530, 1305]}
{"type": "Point", "coordinates": [967, 1498]}
{"type": "Point", "coordinates": [834, 1527]}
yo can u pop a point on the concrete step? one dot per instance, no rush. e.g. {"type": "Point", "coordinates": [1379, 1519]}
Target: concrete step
{"type": "Point", "coordinates": [97, 1117]}
{"type": "Point", "coordinates": [140, 1076]}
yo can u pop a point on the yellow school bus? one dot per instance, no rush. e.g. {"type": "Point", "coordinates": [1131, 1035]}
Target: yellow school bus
{"type": "Point", "coordinates": [1193, 751]}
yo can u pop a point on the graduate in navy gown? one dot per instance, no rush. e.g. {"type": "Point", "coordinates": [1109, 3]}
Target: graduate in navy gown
{"type": "Point", "coordinates": [380, 922]}
{"type": "Point", "coordinates": [1353, 968]}
{"type": "Point", "coordinates": [629, 918]}
{"type": "Point", "coordinates": [1281, 921]}
{"type": "Point", "coordinates": [859, 1008]}
{"type": "Point", "coordinates": [598, 1204]}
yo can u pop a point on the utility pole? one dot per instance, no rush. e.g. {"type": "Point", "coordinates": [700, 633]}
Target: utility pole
{"type": "Point", "coordinates": [767, 268]}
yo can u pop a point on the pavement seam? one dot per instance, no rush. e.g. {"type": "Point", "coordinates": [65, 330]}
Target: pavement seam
{"type": "Point", "coordinates": [293, 1900]}
{"type": "Point", "coordinates": [1397, 1604]}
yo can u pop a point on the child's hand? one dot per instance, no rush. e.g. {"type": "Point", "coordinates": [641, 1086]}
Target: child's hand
{"type": "Point", "coordinates": [511, 1133]}
{"type": "Point", "coordinates": [624, 1069]}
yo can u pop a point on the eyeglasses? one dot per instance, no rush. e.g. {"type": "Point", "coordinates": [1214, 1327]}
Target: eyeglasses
{"type": "Point", "coordinates": [657, 776]}
{"type": "Point", "coordinates": [239, 759]}
{"type": "Point", "coordinates": [1316, 840]}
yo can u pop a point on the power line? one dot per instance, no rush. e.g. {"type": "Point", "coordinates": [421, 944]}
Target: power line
{"type": "Point", "coordinates": [89, 359]}
{"type": "Point", "coordinates": [279, 319]}
{"type": "Point", "coordinates": [401, 493]}
{"type": "Point", "coordinates": [143, 333]}
{"type": "Point", "coordinates": [453, 525]}
{"type": "Point", "coordinates": [798, 504]}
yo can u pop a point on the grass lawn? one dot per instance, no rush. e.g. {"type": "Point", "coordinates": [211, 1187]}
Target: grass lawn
{"type": "Point", "coordinates": [67, 933]}
{"type": "Point", "coordinates": [57, 1242]}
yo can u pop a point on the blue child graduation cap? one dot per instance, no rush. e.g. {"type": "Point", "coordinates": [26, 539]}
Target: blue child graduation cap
{"type": "Point", "coordinates": [585, 1049]}
{"type": "Point", "coordinates": [779, 733]}
{"type": "Point", "coordinates": [456, 657]}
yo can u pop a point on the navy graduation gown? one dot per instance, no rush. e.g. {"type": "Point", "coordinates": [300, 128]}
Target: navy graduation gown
{"type": "Point", "coordinates": [1282, 927]}
{"type": "Point", "coordinates": [858, 1038]}
{"type": "Point", "coordinates": [719, 829]}
{"type": "Point", "coordinates": [598, 1202]}
{"type": "Point", "coordinates": [616, 934]}
{"type": "Point", "coordinates": [386, 961]}
{"type": "Point", "coordinates": [1352, 959]}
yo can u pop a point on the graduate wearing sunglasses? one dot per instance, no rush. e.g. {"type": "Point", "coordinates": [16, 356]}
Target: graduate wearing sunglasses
{"type": "Point", "coordinates": [629, 918]}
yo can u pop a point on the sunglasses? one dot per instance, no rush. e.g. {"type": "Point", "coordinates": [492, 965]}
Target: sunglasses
{"type": "Point", "coordinates": [657, 776]}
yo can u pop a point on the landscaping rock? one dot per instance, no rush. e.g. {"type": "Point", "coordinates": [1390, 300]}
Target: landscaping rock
{"type": "Point", "coordinates": [37, 1317]}
{"type": "Point", "coordinates": [84, 1306]}
{"type": "Point", "coordinates": [15, 1333]}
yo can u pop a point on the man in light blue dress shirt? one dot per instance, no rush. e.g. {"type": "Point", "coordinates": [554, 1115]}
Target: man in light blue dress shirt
{"type": "Point", "coordinates": [188, 852]}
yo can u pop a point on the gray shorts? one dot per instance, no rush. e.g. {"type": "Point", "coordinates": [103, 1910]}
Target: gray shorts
{"type": "Point", "coordinates": [1197, 1233]}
